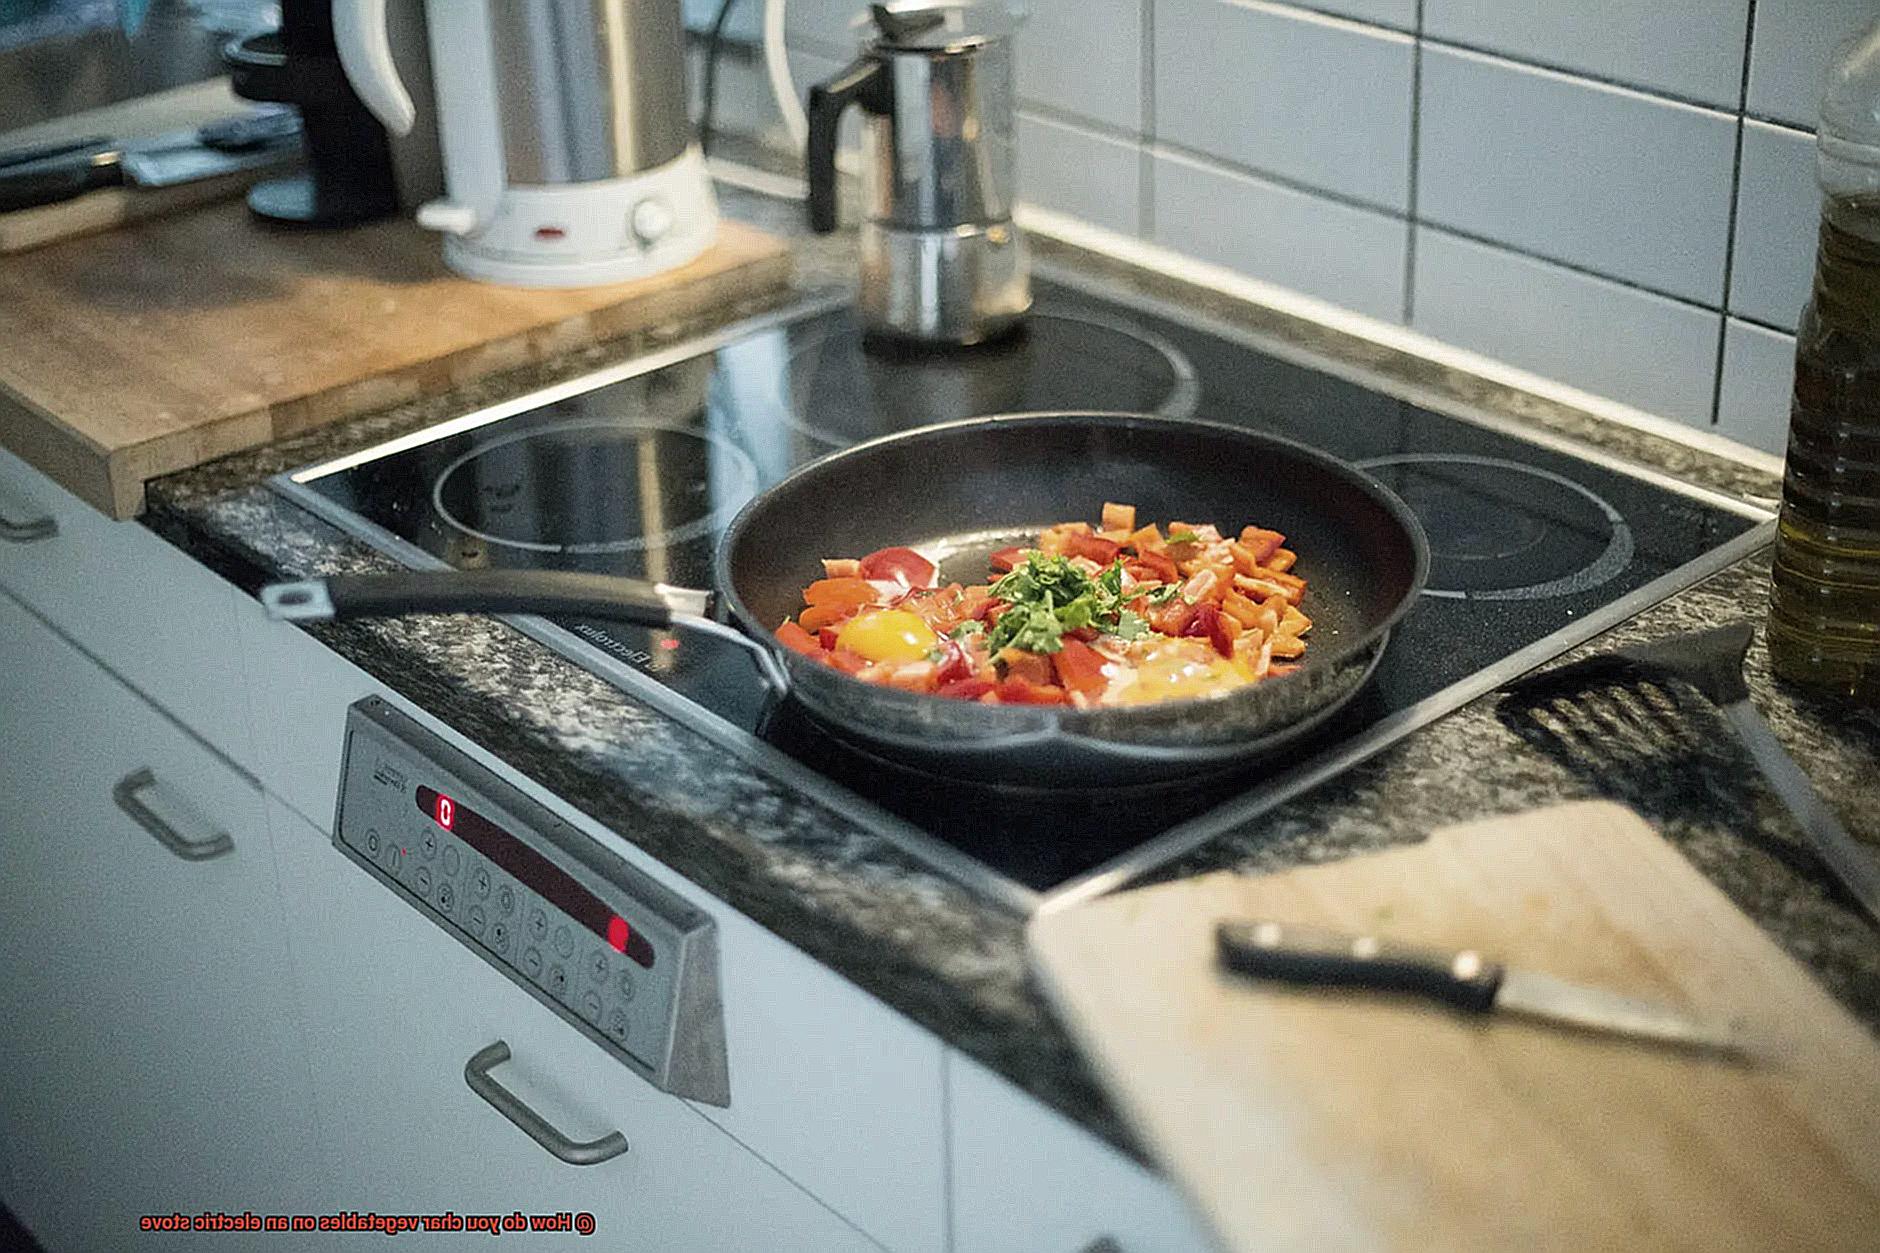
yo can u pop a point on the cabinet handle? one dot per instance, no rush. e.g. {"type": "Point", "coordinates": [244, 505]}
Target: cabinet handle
{"type": "Point", "coordinates": [476, 1073]}
{"type": "Point", "coordinates": [129, 797]}
{"type": "Point", "coordinates": [16, 524]}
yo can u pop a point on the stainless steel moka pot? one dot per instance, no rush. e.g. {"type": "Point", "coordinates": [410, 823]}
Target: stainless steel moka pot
{"type": "Point", "coordinates": [941, 259]}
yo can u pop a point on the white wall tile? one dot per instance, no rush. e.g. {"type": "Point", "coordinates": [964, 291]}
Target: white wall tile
{"type": "Point", "coordinates": [1072, 170]}
{"type": "Point", "coordinates": [1691, 48]}
{"type": "Point", "coordinates": [1401, 14]}
{"type": "Point", "coordinates": [1758, 373]}
{"type": "Point", "coordinates": [1325, 248]}
{"type": "Point", "coordinates": [1613, 181]}
{"type": "Point", "coordinates": [1778, 214]}
{"type": "Point", "coordinates": [1084, 57]}
{"type": "Point", "coordinates": [1790, 49]}
{"type": "Point", "coordinates": [1614, 341]}
{"type": "Point", "coordinates": [1313, 99]}
{"type": "Point", "coordinates": [822, 22]}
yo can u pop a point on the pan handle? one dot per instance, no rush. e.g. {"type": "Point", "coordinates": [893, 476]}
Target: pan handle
{"type": "Point", "coordinates": [561, 593]}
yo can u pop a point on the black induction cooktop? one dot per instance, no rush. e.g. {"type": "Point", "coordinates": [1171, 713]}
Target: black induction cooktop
{"type": "Point", "coordinates": [638, 469]}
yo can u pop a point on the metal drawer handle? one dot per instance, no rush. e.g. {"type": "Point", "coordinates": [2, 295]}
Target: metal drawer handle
{"type": "Point", "coordinates": [16, 528]}
{"type": "Point", "coordinates": [476, 1073]}
{"type": "Point", "coordinates": [129, 797]}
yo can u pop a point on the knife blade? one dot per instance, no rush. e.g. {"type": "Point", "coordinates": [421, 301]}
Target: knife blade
{"type": "Point", "coordinates": [252, 141]}
{"type": "Point", "coordinates": [1464, 980]}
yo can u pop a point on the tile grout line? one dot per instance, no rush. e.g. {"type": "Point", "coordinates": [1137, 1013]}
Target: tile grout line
{"type": "Point", "coordinates": [1410, 197]}
{"type": "Point", "coordinates": [1145, 158]}
{"type": "Point", "coordinates": [1736, 195]}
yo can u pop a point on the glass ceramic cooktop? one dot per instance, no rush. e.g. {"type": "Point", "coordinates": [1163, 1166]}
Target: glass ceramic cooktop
{"type": "Point", "coordinates": [637, 471]}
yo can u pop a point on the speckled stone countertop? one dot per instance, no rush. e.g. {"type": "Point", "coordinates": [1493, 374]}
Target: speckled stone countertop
{"type": "Point", "coordinates": [951, 960]}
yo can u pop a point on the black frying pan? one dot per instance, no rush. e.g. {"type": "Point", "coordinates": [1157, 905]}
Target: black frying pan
{"type": "Point", "coordinates": [979, 485]}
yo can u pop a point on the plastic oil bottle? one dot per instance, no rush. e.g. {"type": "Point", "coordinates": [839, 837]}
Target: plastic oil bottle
{"type": "Point", "coordinates": [1824, 621]}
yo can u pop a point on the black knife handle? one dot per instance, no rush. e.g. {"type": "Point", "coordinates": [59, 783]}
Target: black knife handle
{"type": "Point", "coordinates": [1316, 957]}
{"type": "Point", "coordinates": [33, 183]}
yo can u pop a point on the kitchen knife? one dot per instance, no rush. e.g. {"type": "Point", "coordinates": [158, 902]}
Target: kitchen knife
{"type": "Point", "coordinates": [1464, 980]}
{"type": "Point", "coordinates": [48, 175]}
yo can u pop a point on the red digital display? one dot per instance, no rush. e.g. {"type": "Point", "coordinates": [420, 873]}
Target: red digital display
{"type": "Point", "coordinates": [537, 873]}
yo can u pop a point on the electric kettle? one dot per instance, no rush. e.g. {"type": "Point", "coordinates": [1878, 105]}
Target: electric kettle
{"type": "Point", "coordinates": [568, 157]}
{"type": "Point", "coordinates": [942, 260]}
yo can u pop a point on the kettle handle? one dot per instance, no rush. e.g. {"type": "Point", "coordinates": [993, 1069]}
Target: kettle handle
{"type": "Point", "coordinates": [865, 82]}
{"type": "Point", "coordinates": [365, 53]}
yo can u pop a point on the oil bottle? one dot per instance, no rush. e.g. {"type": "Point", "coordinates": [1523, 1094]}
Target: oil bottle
{"type": "Point", "coordinates": [1824, 619]}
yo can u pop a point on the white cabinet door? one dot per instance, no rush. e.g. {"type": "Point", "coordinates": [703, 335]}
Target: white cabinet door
{"type": "Point", "coordinates": [396, 1010]}
{"type": "Point", "coordinates": [1027, 1180]}
{"type": "Point", "coordinates": [148, 1064]}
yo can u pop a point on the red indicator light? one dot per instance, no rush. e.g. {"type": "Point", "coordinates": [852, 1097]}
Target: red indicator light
{"type": "Point", "coordinates": [617, 933]}
{"type": "Point", "coordinates": [669, 643]}
{"type": "Point", "coordinates": [445, 811]}
{"type": "Point", "coordinates": [550, 232]}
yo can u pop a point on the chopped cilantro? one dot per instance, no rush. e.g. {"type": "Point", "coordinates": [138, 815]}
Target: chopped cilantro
{"type": "Point", "coordinates": [1049, 596]}
{"type": "Point", "coordinates": [972, 626]}
{"type": "Point", "coordinates": [1184, 537]}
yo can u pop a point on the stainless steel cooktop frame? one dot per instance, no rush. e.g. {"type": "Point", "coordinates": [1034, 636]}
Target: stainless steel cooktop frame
{"type": "Point", "coordinates": [1160, 849]}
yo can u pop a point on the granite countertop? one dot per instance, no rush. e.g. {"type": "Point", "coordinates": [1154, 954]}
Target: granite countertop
{"type": "Point", "coordinates": [950, 959]}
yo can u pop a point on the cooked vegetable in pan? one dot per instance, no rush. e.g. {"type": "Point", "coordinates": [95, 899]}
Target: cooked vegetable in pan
{"type": "Point", "coordinates": [1117, 614]}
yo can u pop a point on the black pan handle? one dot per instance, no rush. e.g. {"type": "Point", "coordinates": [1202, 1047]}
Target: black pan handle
{"type": "Point", "coordinates": [1316, 957]}
{"type": "Point", "coordinates": [559, 592]}
{"type": "Point", "coordinates": [29, 184]}
{"type": "Point", "coordinates": [863, 81]}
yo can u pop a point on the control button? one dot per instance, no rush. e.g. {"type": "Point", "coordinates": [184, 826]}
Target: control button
{"type": "Point", "coordinates": [532, 962]}
{"type": "Point", "coordinates": [617, 1024]}
{"type": "Point", "coordinates": [597, 967]}
{"type": "Point", "coordinates": [480, 884]}
{"type": "Point", "coordinates": [451, 859]}
{"type": "Point", "coordinates": [372, 841]}
{"type": "Point", "coordinates": [651, 220]}
{"type": "Point", "coordinates": [399, 857]}
{"type": "Point", "coordinates": [499, 937]}
{"type": "Point", "coordinates": [428, 845]}
{"type": "Point", "coordinates": [538, 923]}
{"type": "Point", "coordinates": [446, 896]}
{"type": "Point", "coordinates": [564, 941]}
{"type": "Point", "coordinates": [476, 921]}
{"type": "Point", "coordinates": [626, 986]}
{"type": "Point", "coordinates": [557, 980]}
{"type": "Point", "coordinates": [591, 1007]}
{"type": "Point", "coordinates": [424, 880]}
{"type": "Point", "coordinates": [506, 900]}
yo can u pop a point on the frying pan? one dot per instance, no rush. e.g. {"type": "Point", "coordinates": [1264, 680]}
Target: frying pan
{"type": "Point", "coordinates": [959, 491]}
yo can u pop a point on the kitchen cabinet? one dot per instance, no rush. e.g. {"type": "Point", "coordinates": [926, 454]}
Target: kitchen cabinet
{"type": "Point", "coordinates": [1026, 1180]}
{"type": "Point", "coordinates": [149, 1052]}
{"type": "Point", "coordinates": [147, 612]}
{"type": "Point", "coordinates": [396, 1010]}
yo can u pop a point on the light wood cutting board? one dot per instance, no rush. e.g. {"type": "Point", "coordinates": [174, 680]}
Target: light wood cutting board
{"type": "Point", "coordinates": [150, 349]}
{"type": "Point", "coordinates": [1314, 1119]}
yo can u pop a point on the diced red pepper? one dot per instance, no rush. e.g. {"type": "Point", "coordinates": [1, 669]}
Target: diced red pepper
{"type": "Point", "coordinates": [901, 565]}
{"type": "Point", "coordinates": [958, 664]}
{"type": "Point", "coordinates": [818, 617]}
{"type": "Point", "coordinates": [796, 639]}
{"type": "Point", "coordinates": [846, 661]}
{"type": "Point", "coordinates": [1100, 550]}
{"type": "Point", "coordinates": [828, 637]}
{"type": "Point", "coordinates": [1154, 566]}
{"type": "Point", "coordinates": [1209, 623]}
{"type": "Point", "coordinates": [1264, 543]}
{"type": "Point", "coordinates": [965, 689]}
{"type": "Point", "coordinates": [1013, 690]}
{"type": "Point", "coordinates": [1079, 668]}
{"type": "Point", "coordinates": [1006, 560]}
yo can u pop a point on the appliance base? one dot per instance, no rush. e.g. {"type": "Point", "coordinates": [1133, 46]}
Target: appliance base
{"type": "Point", "coordinates": [589, 234]}
{"type": "Point", "coordinates": [956, 285]}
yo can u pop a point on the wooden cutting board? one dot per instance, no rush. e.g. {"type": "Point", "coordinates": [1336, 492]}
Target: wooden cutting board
{"type": "Point", "coordinates": [1303, 1119]}
{"type": "Point", "coordinates": [150, 349]}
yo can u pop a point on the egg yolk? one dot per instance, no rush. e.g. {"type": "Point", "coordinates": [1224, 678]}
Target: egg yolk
{"type": "Point", "coordinates": [1175, 672]}
{"type": "Point", "coordinates": [887, 635]}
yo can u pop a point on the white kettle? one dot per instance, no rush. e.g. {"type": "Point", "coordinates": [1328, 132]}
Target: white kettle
{"type": "Point", "coordinates": [568, 156]}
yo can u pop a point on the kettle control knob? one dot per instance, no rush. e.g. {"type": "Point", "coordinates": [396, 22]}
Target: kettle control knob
{"type": "Point", "coordinates": [651, 220]}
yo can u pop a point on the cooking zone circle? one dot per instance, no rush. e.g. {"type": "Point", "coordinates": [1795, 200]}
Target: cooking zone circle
{"type": "Point", "coordinates": [1500, 530]}
{"type": "Point", "coordinates": [1057, 362]}
{"type": "Point", "coordinates": [595, 487]}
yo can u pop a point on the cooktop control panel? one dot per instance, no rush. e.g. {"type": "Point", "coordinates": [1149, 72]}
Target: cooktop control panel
{"type": "Point", "coordinates": [625, 960]}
